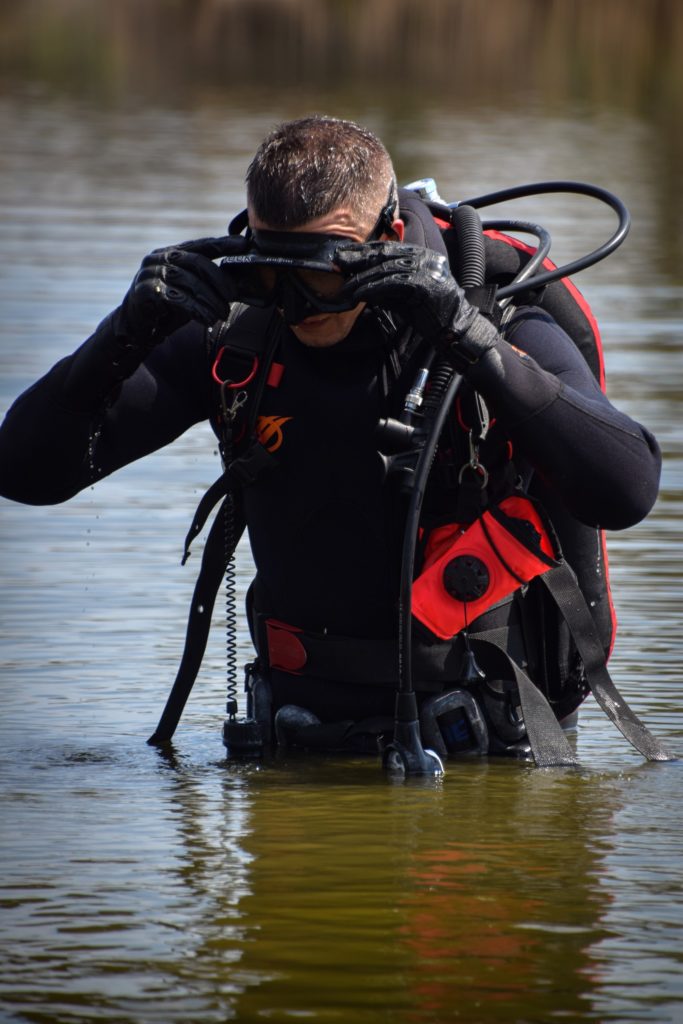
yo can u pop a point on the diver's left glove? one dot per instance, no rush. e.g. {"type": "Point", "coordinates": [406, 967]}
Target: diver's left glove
{"type": "Point", "coordinates": [172, 287]}
{"type": "Point", "coordinates": [417, 283]}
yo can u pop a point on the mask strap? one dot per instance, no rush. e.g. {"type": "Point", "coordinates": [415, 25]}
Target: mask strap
{"type": "Point", "coordinates": [385, 221]}
{"type": "Point", "coordinates": [238, 223]}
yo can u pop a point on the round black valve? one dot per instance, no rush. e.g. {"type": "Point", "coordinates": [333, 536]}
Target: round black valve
{"type": "Point", "coordinates": [466, 578]}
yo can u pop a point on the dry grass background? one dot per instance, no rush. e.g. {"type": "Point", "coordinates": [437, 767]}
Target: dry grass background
{"type": "Point", "coordinates": [625, 53]}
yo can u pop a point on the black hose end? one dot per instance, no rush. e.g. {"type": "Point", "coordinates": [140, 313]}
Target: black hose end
{"type": "Point", "coordinates": [405, 755]}
{"type": "Point", "coordinates": [156, 740]}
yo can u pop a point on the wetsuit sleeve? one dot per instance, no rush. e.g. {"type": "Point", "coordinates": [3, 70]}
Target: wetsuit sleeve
{"type": "Point", "coordinates": [602, 464]}
{"type": "Point", "coordinates": [57, 439]}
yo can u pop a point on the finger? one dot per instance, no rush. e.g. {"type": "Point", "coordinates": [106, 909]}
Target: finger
{"type": "Point", "coordinates": [175, 307]}
{"type": "Point", "coordinates": [212, 247]}
{"type": "Point", "coordinates": [354, 259]}
{"type": "Point", "coordinates": [377, 286]}
{"type": "Point", "coordinates": [178, 264]}
{"type": "Point", "coordinates": [384, 274]}
{"type": "Point", "coordinates": [360, 256]}
{"type": "Point", "coordinates": [175, 286]}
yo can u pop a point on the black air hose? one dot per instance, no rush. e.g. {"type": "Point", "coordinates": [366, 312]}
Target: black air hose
{"type": "Point", "coordinates": [406, 750]}
{"type": "Point", "coordinates": [470, 257]}
{"type": "Point", "coordinates": [443, 385]}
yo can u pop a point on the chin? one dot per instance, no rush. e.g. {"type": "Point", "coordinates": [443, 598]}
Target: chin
{"type": "Point", "coordinates": [319, 334]}
{"type": "Point", "coordinates": [326, 329]}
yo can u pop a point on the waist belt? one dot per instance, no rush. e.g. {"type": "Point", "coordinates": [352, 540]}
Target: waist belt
{"type": "Point", "coordinates": [353, 659]}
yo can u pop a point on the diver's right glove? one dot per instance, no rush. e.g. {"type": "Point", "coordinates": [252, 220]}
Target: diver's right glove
{"type": "Point", "coordinates": [176, 285]}
{"type": "Point", "coordinates": [172, 287]}
{"type": "Point", "coordinates": [418, 284]}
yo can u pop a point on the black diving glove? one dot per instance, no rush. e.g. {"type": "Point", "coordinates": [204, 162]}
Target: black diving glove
{"type": "Point", "coordinates": [418, 284]}
{"type": "Point", "coordinates": [176, 285]}
{"type": "Point", "coordinates": [172, 287]}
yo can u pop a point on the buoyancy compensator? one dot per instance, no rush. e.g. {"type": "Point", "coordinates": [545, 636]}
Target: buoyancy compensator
{"type": "Point", "coordinates": [466, 578]}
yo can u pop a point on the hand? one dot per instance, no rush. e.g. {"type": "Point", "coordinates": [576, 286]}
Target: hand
{"type": "Point", "coordinates": [179, 284]}
{"type": "Point", "coordinates": [418, 284]}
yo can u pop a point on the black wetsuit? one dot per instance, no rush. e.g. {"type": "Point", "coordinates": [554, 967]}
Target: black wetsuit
{"type": "Point", "coordinates": [324, 529]}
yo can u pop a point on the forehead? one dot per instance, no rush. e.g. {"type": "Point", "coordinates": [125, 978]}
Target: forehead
{"type": "Point", "coordinates": [341, 221]}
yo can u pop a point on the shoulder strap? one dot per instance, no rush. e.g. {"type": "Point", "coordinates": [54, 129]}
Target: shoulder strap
{"type": "Point", "coordinates": [241, 344]}
{"type": "Point", "coordinates": [215, 559]}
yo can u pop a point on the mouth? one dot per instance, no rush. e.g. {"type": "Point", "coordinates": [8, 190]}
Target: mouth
{"type": "Point", "coordinates": [313, 321]}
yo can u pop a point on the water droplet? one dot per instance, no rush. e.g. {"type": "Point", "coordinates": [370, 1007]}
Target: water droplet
{"type": "Point", "coordinates": [200, 609]}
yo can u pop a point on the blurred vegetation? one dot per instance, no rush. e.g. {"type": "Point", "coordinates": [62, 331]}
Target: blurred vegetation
{"type": "Point", "coordinates": [501, 52]}
{"type": "Point", "coordinates": [575, 57]}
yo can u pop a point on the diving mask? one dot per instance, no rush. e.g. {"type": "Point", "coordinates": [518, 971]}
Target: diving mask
{"type": "Point", "coordinates": [292, 270]}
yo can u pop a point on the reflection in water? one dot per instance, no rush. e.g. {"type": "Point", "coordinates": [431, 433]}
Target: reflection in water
{"type": "Point", "coordinates": [183, 889]}
{"type": "Point", "coordinates": [467, 900]}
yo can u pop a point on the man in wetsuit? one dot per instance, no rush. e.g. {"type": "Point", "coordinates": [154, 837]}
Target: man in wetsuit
{"type": "Point", "coordinates": [325, 524]}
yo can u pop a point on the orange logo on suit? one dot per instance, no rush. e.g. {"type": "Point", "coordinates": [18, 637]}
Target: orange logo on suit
{"type": "Point", "coordinates": [269, 431]}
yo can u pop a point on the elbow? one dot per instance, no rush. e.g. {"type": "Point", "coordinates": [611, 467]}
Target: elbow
{"type": "Point", "coordinates": [631, 510]}
{"type": "Point", "coordinates": [32, 472]}
{"type": "Point", "coordinates": [31, 492]}
{"type": "Point", "coordinates": [625, 503]}
{"type": "Point", "coordinates": [627, 516]}
{"type": "Point", "coordinates": [32, 484]}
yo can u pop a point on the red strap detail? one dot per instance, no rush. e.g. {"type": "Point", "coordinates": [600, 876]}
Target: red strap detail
{"type": "Point", "coordinates": [459, 414]}
{"type": "Point", "coordinates": [275, 375]}
{"type": "Point", "coordinates": [285, 650]}
{"type": "Point", "coordinates": [233, 383]}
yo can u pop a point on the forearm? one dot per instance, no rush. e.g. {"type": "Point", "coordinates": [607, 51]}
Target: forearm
{"type": "Point", "coordinates": [44, 447]}
{"type": "Point", "coordinates": [96, 411]}
{"type": "Point", "coordinates": [133, 386]}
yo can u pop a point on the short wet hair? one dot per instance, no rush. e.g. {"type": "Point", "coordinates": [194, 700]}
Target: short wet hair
{"type": "Point", "coordinates": [306, 168]}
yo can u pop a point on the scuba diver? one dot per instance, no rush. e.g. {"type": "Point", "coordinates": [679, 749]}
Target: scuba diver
{"type": "Point", "coordinates": [410, 455]}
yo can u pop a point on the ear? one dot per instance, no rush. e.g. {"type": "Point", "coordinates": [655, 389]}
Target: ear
{"type": "Point", "coordinates": [399, 229]}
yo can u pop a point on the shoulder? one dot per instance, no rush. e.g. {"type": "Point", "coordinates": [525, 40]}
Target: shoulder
{"type": "Point", "coordinates": [536, 332]}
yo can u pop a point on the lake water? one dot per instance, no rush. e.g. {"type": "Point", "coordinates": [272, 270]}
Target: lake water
{"type": "Point", "coordinates": [144, 886]}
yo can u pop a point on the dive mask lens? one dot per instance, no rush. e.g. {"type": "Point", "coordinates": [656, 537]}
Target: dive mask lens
{"type": "Point", "coordinates": [324, 285]}
{"type": "Point", "coordinates": [280, 264]}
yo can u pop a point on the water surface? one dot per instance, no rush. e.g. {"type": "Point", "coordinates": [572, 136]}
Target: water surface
{"type": "Point", "coordinates": [143, 886]}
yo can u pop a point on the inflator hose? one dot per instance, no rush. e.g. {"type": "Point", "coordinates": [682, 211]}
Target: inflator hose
{"type": "Point", "coordinates": [406, 750]}
{"type": "Point", "coordinates": [470, 273]}
{"type": "Point", "coordinates": [574, 266]}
